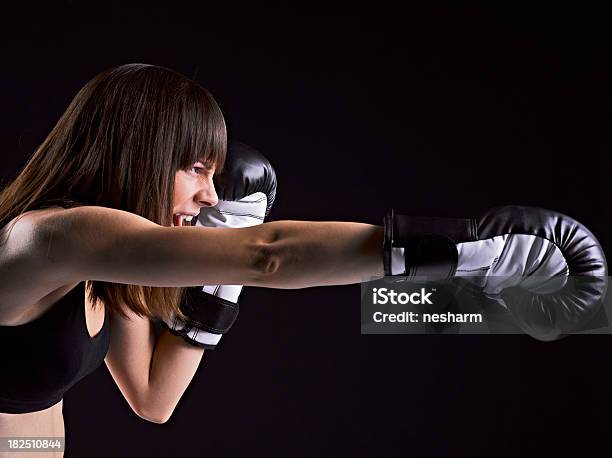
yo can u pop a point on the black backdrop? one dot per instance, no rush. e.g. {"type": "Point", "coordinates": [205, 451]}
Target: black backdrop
{"type": "Point", "coordinates": [429, 110]}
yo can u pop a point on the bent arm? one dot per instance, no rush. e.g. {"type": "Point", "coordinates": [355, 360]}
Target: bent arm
{"type": "Point", "coordinates": [151, 373]}
{"type": "Point", "coordinates": [97, 243]}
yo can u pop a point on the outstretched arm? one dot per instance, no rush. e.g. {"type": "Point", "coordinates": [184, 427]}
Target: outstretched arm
{"type": "Point", "coordinates": [98, 243]}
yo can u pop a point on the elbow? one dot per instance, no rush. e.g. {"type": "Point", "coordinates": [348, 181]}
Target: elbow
{"type": "Point", "coordinates": [265, 251]}
{"type": "Point", "coordinates": [267, 259]}
{"type": "Point", "coordinates": [266, 262]}
{"type": "Point", "coordinates": [159, 420]}
{"type": "Point", "coordinates": [158, 417]}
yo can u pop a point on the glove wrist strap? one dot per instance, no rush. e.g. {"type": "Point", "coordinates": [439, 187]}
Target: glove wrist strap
{"type": "Point", "coordinates": [208, 312]}
{"type": "Point", "coordinates": [423, 246]}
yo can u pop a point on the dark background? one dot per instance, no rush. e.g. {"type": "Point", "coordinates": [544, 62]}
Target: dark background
{"type": "Point", "coordinates": [430, 110]}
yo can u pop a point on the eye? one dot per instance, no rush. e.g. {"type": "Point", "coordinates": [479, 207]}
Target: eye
{"type": "Point", "coordinates": [201, 169]}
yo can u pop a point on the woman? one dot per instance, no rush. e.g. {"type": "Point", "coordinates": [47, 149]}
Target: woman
{"type": "Point", "coordinates": [92, 208]}
{"type": "Point", "coordinates": [90, 218]}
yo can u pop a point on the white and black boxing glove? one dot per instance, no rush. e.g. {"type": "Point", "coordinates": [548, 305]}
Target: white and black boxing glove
{"type": "Point", "coordinates": [545, 268]}
{"type": "Point", "coordinates": [246, 190]}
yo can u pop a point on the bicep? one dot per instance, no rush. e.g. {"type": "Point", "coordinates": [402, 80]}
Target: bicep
{"type": "Point", "coordinates": [98, 243]}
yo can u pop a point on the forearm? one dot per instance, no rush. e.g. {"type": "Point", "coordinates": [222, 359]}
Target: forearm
{"type": "Point", "coordinates": [305, 253]}
{"type": "Point", "coordinates": [173, 365]}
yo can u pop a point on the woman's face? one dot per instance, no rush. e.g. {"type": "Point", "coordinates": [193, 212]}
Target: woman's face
{"type": "Point", "coordinates": [193, 189]}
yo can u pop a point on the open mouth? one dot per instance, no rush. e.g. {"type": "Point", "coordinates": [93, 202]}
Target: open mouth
{"type": "Point", "coordinates": [179, 219]}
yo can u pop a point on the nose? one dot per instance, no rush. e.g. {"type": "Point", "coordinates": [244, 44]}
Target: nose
{"type": "Point", "coordinates": [207, 195]}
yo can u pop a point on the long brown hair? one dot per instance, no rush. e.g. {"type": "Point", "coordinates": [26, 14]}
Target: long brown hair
{"type": "Point", "coordinates": [118, 145]}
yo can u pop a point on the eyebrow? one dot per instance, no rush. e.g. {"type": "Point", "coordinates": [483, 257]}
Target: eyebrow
{"type": "Point", "coordinates": [208, 164]}
{"type": "Point", "coordinates": [205, 161]}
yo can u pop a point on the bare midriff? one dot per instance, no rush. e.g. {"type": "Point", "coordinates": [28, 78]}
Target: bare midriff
{"type": "Point", "coordinates": [48, 423]}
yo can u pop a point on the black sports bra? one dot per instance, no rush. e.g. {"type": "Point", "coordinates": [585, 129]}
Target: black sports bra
{"type": "Point", "coordinates": [42, 359]}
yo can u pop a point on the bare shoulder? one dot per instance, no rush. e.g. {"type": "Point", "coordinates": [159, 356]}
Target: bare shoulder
{"type": "Point", "coordinates": [21, 283]}
{"type": "Point", "coordinates": [41, 247]}
{"type": "Point", "coordinates": [21, 236]}
{"type": "Point", "coordinates": [20, 232]}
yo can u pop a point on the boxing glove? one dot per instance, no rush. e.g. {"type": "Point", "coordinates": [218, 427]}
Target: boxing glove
{"type": "Point", "coordinates": [545, 268]}
{"type": "Point", "coordinates": [246, 190]}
